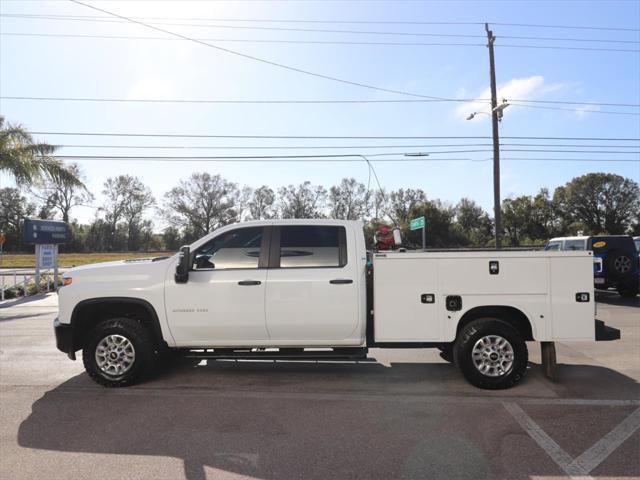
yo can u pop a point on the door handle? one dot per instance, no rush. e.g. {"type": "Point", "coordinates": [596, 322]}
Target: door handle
{"type": "Point", "coordinates": [246, 283]}
{"type": "Point", "coordinates": [340, 281]}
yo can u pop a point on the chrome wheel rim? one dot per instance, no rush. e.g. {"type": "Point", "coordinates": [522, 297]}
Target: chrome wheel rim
{"type": "Point", "coordinates": [622, 264]}
{"type": "Point", "coordinates": [115, 355]}
{"type": "Point", "coordinates": [493, 356]}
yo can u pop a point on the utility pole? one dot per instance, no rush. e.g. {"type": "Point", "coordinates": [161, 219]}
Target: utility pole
{"type": "Point", "coordinates": [496, 139]}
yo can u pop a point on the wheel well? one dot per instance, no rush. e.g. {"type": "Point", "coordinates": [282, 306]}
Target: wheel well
{"type": "Point", "coordinates": [510, 315]}
{"type": "Point", "coordinates": [88, 313]}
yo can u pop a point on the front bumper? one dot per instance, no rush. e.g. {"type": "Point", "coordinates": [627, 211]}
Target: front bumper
{"type": "Point", "coordinates": [605, 333]}
{"type": "Point", "coordinates": [64, 338]}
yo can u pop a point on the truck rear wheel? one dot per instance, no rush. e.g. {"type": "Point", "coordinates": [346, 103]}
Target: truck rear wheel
{"type": "Point", "coordinates": [491, 354]}
{"type": "Point", "coordinates": [118, 352]}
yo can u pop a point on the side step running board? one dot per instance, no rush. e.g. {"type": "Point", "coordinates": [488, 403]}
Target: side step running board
{"type": "Point", "coordinates": [281, 354]}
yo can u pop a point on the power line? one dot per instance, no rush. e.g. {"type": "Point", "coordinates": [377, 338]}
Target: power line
{"type": "Point", "coordinates": [242, 27]}
{"type": "Point", "coordinates": [348, 157]}
{"type": "Point", "coordinates": [567, 39]}
{"type": "Point", "coordinates": [160, 100]}
{"type": "Point", "coordinates": [299, 102]}
{"type": "Point", "coordinates": [187, 19]}
{"type": "Point", "coordinates": [368, 32]}
{"type": "Point", "coordinates": [257, 59]}
{"type": "Point", "coordinates": [252, 40]}
{"type": "Point", "coordinates": [329, 137]}
{"type": "Point", "coordinates": [523, 103]}
{"type": "Point", "coordinates": [381, 22]}
{"type": "Point", "coordinates": [322, 30]}
{"type": "Point", "coordinates": [566, 102]}
{"type": "Point", "coordinates": [553, 47]}
{"type": "Point", "coordinates": [574, 27]}
{"type": "Point", "coordinates": [269, 147]}
{"type": "Point", "coordinates": [318, 42]}
{"type": "Point", "coordinates": [564, 145]}
{"type": "Point", "coordinates": [612, 160]}
{"type": "Point", "coordinates": [107, 19]}
{"type": "Point", "coordinates": [320, 158]}
{"type": "Point", "coordinates": [334, 147]}
{"type": "Point", "coordinates": [608, 152]}
{"type": "Point", "coordinates": [583, 110]}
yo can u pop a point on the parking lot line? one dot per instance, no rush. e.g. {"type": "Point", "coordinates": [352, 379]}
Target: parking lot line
{"type": "Point", "coordinates": [597, 453]}
{"type": "Point", "coordinates": [581, 466]}
{"type": "Point", "coordinates": [548, 444]}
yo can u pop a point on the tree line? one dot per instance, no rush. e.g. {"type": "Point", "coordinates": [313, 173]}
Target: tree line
{"type": "Point", "coordinates": [593, 204]}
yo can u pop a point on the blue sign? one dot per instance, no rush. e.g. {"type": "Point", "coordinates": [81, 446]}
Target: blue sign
{"type": "Point", "coordinates": [45, 231]}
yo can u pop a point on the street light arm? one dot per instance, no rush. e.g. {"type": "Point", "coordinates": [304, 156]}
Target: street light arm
{"type": "Point", "coordinates": [472, 115]}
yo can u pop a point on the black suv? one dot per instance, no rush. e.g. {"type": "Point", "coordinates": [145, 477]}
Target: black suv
{"type": "Point", "coordinates": [616, 263]}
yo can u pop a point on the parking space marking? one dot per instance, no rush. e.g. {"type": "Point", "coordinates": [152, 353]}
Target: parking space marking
{"type": "Point", "coordinates": [548, 444]}
{"type": "Point", "coordinates": [595, 455]}
{"type": "Point", "coordinates": [581, 466]}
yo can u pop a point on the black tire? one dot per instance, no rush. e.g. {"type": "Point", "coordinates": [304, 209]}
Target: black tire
{"type": "Point", "coordinates": [479, 329]}
{"type": "Point", "coordinates": [619, 264]}
{"type": "Point", "coordinates": [143, 347]}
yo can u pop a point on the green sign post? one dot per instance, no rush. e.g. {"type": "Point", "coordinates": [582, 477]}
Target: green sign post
{"type": "Point", "coordinates": [416, 224]}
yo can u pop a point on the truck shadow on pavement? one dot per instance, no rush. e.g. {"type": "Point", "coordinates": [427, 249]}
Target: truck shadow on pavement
{"type": "Point", "coordinates": [291, 420]}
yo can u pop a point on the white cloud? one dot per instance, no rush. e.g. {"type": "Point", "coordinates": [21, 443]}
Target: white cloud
{"type": "Point", "coordinates": [517, 88]}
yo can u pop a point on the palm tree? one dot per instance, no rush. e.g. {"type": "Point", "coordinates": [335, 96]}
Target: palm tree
{"type": "Point", "coordinates": [29, 161]}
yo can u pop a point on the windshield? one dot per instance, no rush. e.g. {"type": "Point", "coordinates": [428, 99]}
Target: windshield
{"type": "Point", "coordinates": [553, 245]}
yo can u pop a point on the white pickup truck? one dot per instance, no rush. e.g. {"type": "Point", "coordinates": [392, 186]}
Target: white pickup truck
{"type": "Point", "coordinates": [308, 289]}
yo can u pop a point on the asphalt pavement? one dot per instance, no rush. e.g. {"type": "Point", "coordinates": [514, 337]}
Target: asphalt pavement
{"type": "Point", "coordinates": [404, 414]}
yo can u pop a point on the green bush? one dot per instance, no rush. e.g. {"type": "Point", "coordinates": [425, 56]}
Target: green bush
{"type": "Point", "coordinates": [17, 291]}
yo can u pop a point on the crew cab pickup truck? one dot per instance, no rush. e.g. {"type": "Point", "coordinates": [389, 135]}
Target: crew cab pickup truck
{"type": "Point", "coordinates": [301, 289]}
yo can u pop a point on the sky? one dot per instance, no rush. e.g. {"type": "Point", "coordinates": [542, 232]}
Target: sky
{"type": "Point", "coordinates": [77, 66]}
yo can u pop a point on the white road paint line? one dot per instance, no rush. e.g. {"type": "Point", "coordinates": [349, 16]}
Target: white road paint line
{"type": "Point", "coordinates": [595, 455]}
{"type": "Point", "coordinates": [555, 451]}
{"type": "Point", "coordinates": [592, 457]}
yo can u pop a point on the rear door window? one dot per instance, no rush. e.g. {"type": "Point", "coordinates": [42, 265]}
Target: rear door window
{"type": "Point", "coordinates": [575, 244]}
{"type": "Point", "coordinates": [312, 246]}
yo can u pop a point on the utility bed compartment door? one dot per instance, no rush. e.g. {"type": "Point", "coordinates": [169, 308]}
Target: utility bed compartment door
{"type": "Point", "coordinates": [516, 276]}
{"type": "Point", "coordinates": [402, 309]}
{"type": "Point", "coordinates": [572, 319]}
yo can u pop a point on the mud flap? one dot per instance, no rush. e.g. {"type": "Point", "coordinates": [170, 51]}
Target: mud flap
{"type": "Point", "coordinates": [548, 354]}
{"type": "Point", "coordinates": [605, 333]}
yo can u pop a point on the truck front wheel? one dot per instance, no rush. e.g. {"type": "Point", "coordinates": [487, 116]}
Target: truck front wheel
{"type": "Point", "coordinates": [118, 352]}
{"type": "Point", "coordinates": [491, 354]}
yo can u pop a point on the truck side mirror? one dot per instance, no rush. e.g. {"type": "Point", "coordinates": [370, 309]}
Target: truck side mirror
{"type": "Point", "coordinates": [183, 266]}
